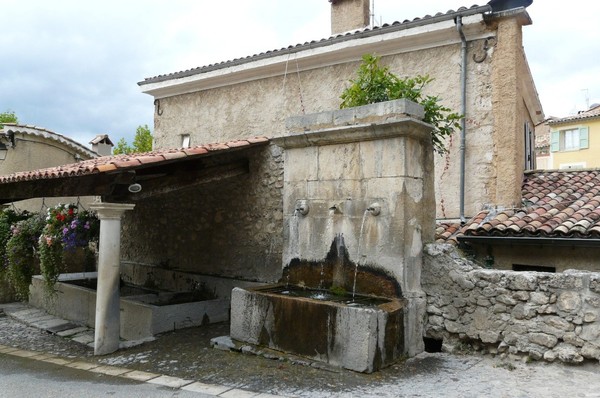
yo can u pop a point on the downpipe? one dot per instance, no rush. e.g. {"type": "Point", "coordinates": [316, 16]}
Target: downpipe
{"type": "Point", "coordinates": [463, 112]}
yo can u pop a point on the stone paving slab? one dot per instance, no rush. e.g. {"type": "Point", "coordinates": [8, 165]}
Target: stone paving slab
{"type": "Point", "coordinates": [109, 370]}
{"type": "Point", "coordinates": [50, 324]}
{"type": "Point", "coordinates": [23, 353]}
{"type": "Point", "coordinates": [238, 393]}
{"type": "Point", "coordinates": [82, 365]}
{"type": "Point", "coordinates": [170, 381]}
{"type": "Point", "coordinates": [210, 389]}
{"type": "Point", "coordinates": [61, 327]}
{"type": "Point", "coordinates": [72, 332]}
{"type": "Point", "coordinates": [58, 361]}
{"type": "Point", "coordinates": [138, 375]}
{"type": "Point", "coordinates": [84, 338]}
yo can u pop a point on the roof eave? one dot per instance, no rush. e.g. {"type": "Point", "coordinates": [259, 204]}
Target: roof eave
{"type": "Point", "coordinates": [531, 241]}
{"type": "Point", "coordinates": [408, 36]}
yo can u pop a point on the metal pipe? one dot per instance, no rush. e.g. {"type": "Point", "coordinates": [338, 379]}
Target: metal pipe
{"type": "Point", "coordinates": [463, 112]}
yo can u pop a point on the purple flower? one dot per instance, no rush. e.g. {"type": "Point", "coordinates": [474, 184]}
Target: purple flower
{"type": "Point", "coordinates": [65, 230]}
{"type": "Point", "coordinates": [73, 224]}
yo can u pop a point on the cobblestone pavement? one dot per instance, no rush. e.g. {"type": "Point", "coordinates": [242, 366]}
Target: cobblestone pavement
{"type": "Point", "coordinates": [187, 354]}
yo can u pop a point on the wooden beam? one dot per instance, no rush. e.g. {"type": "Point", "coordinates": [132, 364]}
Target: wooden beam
{"type": "Point", "coordinates": [90, 185]}
{"type": "Point", "coordinates": [180, 179]}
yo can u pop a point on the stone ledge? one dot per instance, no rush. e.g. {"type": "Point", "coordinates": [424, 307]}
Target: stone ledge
{"type": "Point", "coordinates": [360, 115]}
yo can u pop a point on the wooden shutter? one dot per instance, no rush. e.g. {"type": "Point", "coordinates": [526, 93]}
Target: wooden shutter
{"type": "Point", "coordinates": [584, 141]}
{"type": "Point", "coordinates": [554, 141]}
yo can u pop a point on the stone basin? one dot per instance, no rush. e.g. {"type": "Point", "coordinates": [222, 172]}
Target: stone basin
{"type": "Point", "coordinates": [144, 312]}
{"type": "Point", "coordinates": [363, 333]}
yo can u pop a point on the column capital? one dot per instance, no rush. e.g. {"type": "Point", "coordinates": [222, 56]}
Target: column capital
{"type": "Point", "coordinates": [111, 211]}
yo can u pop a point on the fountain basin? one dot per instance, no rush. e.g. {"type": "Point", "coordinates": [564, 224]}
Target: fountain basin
{"type": "Point", "coordinates": [144, 312]}
{"type": "Point", "coordinates": [363, 334]}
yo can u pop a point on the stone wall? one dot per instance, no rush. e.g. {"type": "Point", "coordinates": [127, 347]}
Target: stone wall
{"type": "Point", "coordinates": [541, 315]}
{"type": "Point", "coordinates": [231, 228]}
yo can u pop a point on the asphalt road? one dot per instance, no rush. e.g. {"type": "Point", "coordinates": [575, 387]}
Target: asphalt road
{"type": "Point", "coordinates": [22, 377]}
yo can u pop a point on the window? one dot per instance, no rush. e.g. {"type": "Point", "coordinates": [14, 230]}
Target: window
{"type": "Point", "coordinates": [569, 139]}
{"type": "Point", "coordinates": [185, 140]}
{"type": "Point", "coordinates": [533, 268]}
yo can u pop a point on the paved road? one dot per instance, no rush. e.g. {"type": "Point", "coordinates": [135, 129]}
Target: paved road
{"type": "Point", "coordinates": [22, 377]}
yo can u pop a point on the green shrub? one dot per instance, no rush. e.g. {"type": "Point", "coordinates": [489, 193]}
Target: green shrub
{"type": "Point", "coordinates": [375, 83]}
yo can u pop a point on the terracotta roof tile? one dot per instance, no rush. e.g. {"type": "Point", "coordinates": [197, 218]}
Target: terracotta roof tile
{"type": "Point", "coordinates": [556, 204]}
{"type": "Point", "coordinates": [114, 163]}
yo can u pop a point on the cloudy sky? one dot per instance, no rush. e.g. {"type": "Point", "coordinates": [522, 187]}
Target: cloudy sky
{"type": "Point", "coordinates": [73, 66]}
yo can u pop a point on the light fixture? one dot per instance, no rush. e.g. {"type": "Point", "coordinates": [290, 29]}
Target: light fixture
{"type": "Point", "coordinates": [134, 188]}
{"type": "Point", "coordinates": [3, 151]}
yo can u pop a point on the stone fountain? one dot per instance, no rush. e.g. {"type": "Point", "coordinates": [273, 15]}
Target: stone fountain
{"type": "Point", "coordinates": [358, 204]}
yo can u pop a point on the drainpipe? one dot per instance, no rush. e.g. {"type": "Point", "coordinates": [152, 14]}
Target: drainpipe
{"type": "Point", "coordinates": [463, 111]}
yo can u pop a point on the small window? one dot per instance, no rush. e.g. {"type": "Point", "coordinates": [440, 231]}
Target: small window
{"type": "Point", "coordinates": [533, 268]}
{"type": "Point", "coordinates": [185, 140]}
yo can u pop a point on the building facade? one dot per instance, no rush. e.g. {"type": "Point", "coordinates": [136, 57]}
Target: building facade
{"type": "Point", "coordinates": [575, 140]}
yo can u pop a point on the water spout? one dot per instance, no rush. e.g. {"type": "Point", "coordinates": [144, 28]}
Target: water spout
{"type": "Point", "coordinates": [374, 209]}
{"type": "Point", "coordinates": [302, 208]}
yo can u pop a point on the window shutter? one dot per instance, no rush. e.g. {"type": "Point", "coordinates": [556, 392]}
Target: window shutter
{"type": "Point", "coordinates": [554, 141]}
{"type": "Point", "coordinates": [584, 141]}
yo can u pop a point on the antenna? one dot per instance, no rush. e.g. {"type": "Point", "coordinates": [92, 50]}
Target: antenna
{"type": "Point", "coordinates": [372, 13]}
{"type": "Point", "coordinates": [587, 98]}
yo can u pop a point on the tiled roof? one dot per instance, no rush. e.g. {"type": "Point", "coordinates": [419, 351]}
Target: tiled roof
{"type": "Point", "coordinates": [120, 163]}
{"type": "Point", "coordinates": [361, 33]}
{"type": "Point", "coordinates": [51, 135]}
{"type": "Point", "coordinates": [556, 204]}
{"type": "Point", "coordinates": [593, 112]}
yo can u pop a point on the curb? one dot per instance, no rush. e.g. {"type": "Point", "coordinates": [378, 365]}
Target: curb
{"type": "Point", "coordinates": [137, 375]}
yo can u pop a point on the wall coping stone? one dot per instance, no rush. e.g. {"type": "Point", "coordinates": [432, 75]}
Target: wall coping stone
{"type": "Point", "coordinates": [361, 123]}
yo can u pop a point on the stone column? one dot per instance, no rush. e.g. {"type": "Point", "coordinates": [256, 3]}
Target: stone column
{"type": "Point", "coordinates": [107, 328]}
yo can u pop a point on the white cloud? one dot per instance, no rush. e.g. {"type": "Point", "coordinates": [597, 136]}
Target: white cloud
{"type": "Point", "coordinates": [72, 66]}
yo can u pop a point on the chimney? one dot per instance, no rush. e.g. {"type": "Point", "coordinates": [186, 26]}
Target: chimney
{"type": "Point", "coordinates": [347, 15]}
{"type": "Point", "coordinates": [102, 145]}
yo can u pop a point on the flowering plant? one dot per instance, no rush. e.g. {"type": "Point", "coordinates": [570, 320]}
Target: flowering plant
{"type": "Point", "coordinates": [66, 229]}
{"type": "Point", "coordinates": [20, 253]}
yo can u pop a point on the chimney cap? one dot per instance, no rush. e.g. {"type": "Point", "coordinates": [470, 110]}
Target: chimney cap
{"type": "Point", "coordinates": [102, 139]}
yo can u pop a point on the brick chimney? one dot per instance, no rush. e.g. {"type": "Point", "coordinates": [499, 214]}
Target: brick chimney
{"type": "Point", "coordinates": [347, 15]}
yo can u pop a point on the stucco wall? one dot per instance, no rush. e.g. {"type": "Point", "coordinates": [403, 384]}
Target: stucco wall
{"type": "Point", "coordinates": [540, 315]}
{"type": "Point", "coordinates": [231, 228]}
{"type": "Point", "coordinates": [590, 156]}
{"type": "Point", "coordinates": [560, 257]}
{"type": "Point", "coordinates": [496, 111]}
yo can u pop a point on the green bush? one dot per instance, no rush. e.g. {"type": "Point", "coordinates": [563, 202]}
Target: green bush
{"type": "Point", "coordinates": [375, 83]}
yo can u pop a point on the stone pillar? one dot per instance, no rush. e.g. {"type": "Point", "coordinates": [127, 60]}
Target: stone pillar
{"type": "Point", "coordinates": [107, 328]}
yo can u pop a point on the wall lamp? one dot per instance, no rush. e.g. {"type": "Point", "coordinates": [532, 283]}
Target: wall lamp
{"type": "Point", "coordinates": [134, 188]}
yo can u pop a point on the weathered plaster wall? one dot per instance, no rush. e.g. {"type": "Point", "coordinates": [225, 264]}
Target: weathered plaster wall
{"type": "Point", "coordinates": [231, 228]}
{"type": "Point", "coordinates": [541, 315]}
{"type": "Point", "coordinates": [559, 257]}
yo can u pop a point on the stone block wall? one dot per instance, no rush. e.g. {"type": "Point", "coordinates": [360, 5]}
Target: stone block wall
{"type": "Point", "coordinates": [230, 228]}
{"type": "Point", "coordinates": [542, 315]}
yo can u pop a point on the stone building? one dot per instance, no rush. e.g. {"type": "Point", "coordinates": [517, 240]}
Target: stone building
{"type": "Point", "coordinates": [474, 54]}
